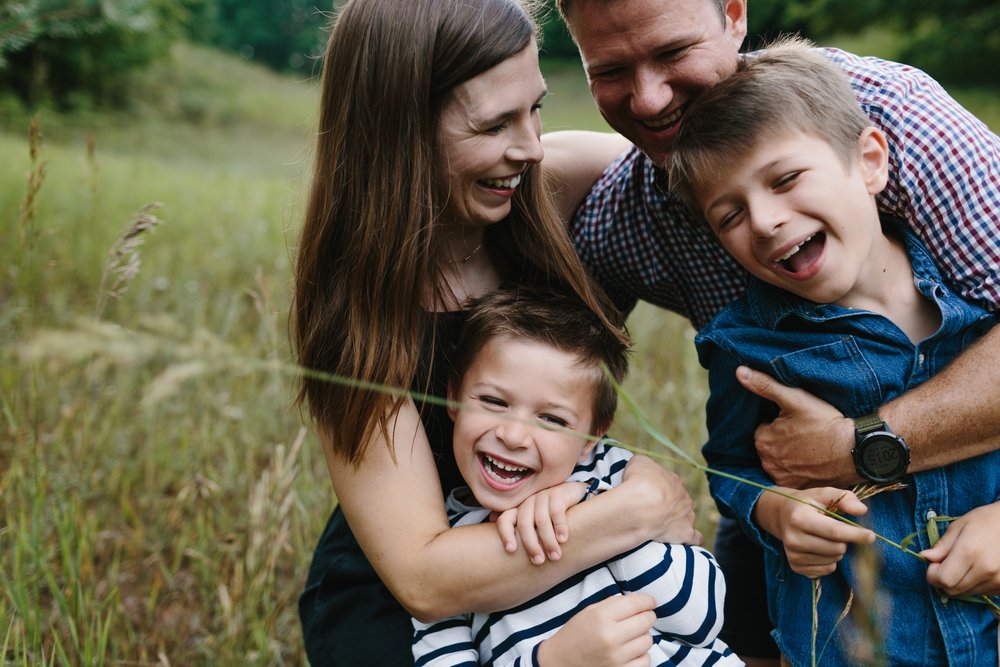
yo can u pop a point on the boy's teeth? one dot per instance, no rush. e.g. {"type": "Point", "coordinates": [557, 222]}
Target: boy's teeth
{"type": "Point", "coordinates": [503, 182]}
{"type": "Point", "coordinates": [794, 249]}
{"type": "Point", "coordinates": [504, 466]}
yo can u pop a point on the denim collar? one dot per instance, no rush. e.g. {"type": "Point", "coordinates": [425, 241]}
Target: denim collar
{"type": "Point", "coordinates": [770, 305]}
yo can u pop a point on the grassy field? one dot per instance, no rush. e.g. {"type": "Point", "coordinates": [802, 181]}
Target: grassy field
{"type": "Point", "coordinates": [160, 499]}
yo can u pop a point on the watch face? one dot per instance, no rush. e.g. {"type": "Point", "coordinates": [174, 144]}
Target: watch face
{"type": "Point", "coordinates": [883, 457]}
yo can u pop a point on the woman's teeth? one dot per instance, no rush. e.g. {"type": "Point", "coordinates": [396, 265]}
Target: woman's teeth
{"type": "Point", "coordinates": [503, 182]}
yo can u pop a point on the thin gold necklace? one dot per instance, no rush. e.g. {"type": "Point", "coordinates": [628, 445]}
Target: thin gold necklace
{"type": "Point", "coordinates": [467, 257]}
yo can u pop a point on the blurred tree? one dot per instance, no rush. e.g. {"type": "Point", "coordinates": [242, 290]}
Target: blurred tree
{"type": "Point", "coordinates": [956, 41]}
{"type": "Point", "coordinates": [72, 51]}
{"type": "Point", "coordinates": [282, 34]}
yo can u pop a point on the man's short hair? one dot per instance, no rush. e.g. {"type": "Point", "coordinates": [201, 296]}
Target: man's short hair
{"type": "Point", "coordinates": [565, 6]}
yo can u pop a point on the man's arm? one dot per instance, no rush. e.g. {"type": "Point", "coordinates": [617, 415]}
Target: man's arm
{"type": "Point", "coordinates": [575, 159]}
{"type": "Point", "coordinates": [951, 417]}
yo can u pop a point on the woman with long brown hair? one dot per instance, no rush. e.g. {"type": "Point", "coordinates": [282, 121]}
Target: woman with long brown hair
{"type": "Point", "coordinates": [426, 192]}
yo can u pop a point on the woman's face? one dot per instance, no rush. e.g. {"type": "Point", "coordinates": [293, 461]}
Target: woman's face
{"type": "Point", "coordinates": [488, 136]}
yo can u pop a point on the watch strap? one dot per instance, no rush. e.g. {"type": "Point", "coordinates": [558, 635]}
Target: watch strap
{"type": "Point", "coordinates": [868, 423]}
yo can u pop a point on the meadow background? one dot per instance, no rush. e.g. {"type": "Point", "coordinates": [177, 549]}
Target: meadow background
{"type": "Point", "coordinates": [159, 496]}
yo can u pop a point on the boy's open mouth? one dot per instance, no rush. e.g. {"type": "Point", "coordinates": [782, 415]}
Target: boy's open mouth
{"type": "Point", "coordinates": [504, 473]}
{"type": "Point", "coordinates": [804, 254]}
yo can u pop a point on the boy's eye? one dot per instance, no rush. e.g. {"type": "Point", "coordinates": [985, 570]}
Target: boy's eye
{"type": "Point", "coordinates": [552, 420]}
{"type": "Point", "coordinates": [492, 401]}
{"type": "Point", "coordinates": [728, 219]}
{"type": "Point", "coordinates": [786, 180]}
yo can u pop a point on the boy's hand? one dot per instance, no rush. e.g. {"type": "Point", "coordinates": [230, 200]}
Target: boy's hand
{"type": "Point", "coordinates": [540, 522]}
{"type": "Point", "coordinates": [809, 443]}
{"type": "Point", "coordinates": [965, 561]}
{"type": "Point", "coordinates": [614, 632]}
{"type": "Point", "coordinates": [814, 542]}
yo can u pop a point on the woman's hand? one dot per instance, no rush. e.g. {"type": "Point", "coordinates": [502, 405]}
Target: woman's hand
{"type": "Point", "coordinates": [614, 632]}
{"type": "Point", "coordinates": [540, 522]}
{"type": "Point", "coordinates": [662, 501]}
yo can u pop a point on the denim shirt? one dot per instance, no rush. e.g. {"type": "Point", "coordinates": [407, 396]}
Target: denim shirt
{"type": "Point", "coordinates": [856, 360]}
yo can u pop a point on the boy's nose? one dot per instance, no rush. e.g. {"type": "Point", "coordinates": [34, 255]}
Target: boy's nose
{"type": "Point", "coordinates": [514, 434]}
{"type": "Point", "coordinates": [766, 218]}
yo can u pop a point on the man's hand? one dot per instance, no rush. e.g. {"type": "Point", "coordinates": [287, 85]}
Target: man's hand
{"type": "Point", "coordinates": [965, 561]}
{"type": "Point", "coordinates": [809, 443]}
{"type": "Point", "coordinates": [611, 633]}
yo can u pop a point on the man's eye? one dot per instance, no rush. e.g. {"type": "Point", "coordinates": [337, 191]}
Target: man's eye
{"type": "Point", "coordinates": [674, 54]}
{"type": "Point", "coordinates": [606, 75]}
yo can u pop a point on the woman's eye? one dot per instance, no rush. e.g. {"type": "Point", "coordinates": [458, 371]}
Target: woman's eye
{"type": "Point", "coordinates": [496, 129]}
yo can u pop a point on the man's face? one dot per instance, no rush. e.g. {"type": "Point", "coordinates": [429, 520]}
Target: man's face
{"type": "Point", "coordinates": [646, 60]}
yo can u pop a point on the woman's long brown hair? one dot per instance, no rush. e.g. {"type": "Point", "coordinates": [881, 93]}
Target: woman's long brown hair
{"type": "Point", "coordinates": [366, 261]}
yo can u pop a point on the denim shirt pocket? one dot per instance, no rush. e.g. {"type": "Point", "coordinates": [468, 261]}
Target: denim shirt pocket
{"type": "Point", "coordinates": [836, 372]}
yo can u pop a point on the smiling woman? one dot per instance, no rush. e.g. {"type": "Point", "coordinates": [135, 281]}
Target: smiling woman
{"type": "Point", "coordinates": [427, 191]}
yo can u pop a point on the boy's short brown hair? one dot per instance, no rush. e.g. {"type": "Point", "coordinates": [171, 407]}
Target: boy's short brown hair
{"type": "Point", "coordinates": [786, 86]}
{"type": "Point", "coordinates": [554, 318]}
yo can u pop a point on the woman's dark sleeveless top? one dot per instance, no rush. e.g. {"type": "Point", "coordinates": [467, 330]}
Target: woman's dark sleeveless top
{"type": "Point", "coordinates": [348, 617]}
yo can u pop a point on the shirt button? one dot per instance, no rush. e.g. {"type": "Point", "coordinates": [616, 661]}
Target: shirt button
{"type": "Point", "coordinates": [920, 360]}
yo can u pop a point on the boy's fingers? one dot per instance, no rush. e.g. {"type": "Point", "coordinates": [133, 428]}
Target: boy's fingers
{"type": "Point", "coordinates": [544, 529]}
{"type": "Point", "coordinates": [506, 525]}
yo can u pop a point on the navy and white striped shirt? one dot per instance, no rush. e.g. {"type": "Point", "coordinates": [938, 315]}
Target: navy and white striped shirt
{"type": "Point", "coordinates": [640, 242]}
{"type": "Point", "coordinates": [685, 581]}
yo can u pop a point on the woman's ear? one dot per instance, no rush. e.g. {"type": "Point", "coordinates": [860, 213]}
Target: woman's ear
{"type": "Point", "coordinates": [452, 399]}
{"type": "Point", "coordinates": [874, 155]}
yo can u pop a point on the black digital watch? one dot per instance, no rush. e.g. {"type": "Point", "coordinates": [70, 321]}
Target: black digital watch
{"type": "Point", "coordinates": [880, 455]}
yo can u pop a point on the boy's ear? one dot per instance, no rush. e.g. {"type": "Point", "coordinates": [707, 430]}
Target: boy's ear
{"type": "Point", "coordinates": [874, 154]}
{"type": "Point", "coordinates": [590, 444]}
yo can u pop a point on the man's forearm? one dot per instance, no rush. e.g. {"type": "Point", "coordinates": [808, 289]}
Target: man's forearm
{"type": "Point", "coordinates": [955, 415]}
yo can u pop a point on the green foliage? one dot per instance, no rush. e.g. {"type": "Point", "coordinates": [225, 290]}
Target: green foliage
{"type": "Point", "coordinates": [287, 35]}
{"type": "Point", "coordinates": [957, 42]}
{"type": "Point", "coordinates": [77, 52]}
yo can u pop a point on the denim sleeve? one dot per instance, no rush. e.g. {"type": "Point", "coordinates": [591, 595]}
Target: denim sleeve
{"type": "Point", "coordinates": [732, 415]}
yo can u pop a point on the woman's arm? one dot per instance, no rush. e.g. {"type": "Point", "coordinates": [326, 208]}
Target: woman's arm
{"type": "Point", "coordinates": [575, 159]}
{"type": "Point", "coordinates": [396, 511]}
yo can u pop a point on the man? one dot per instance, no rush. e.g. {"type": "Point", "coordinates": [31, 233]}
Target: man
{"type": "Point", "coordinates": [645, 61]}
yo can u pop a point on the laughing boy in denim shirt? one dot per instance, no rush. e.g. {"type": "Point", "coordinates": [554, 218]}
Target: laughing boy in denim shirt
{"type": "Point", "coordinates": [784, 167]}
